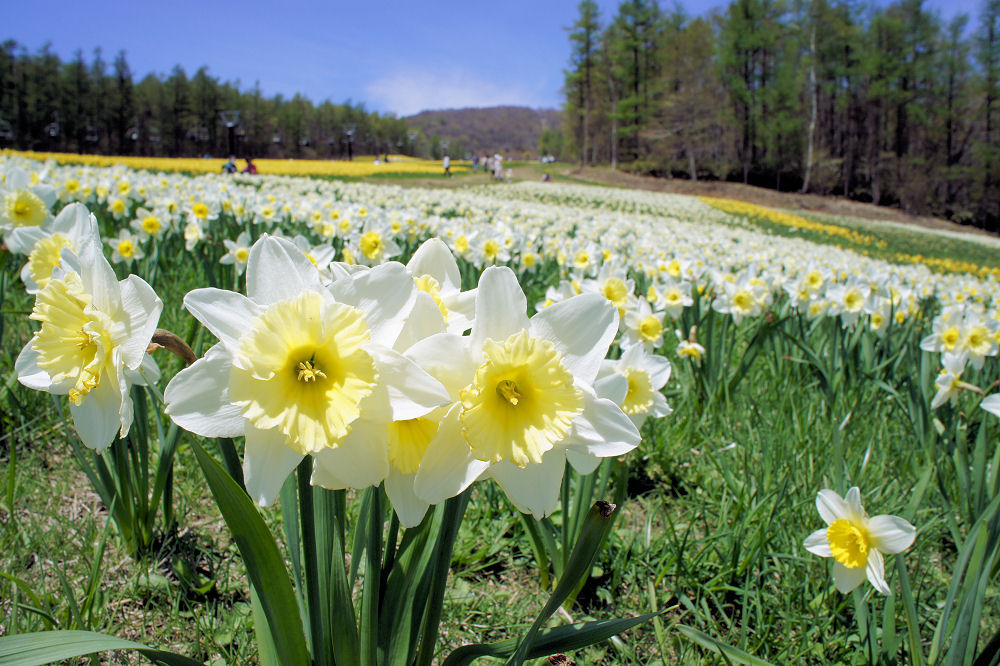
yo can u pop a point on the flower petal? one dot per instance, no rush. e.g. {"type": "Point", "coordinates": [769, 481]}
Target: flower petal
{"type": "Point", "coordinates": [423, 321]}
{"type": "Point", "coordinates": [267, 462]}
{"type": "Point", "coordinates": [361, 460]}
{"type": "Point", "coordinates": [435, 259]}
{"type": "Point", "coordinates": [533, 489]}
{"type": "Point", "coordinates": [875, 570]}
{"type": "Point", "coordinates": [141, 308]}
{"type": "Point", "coordinates": [582, 462]}
{"type": "Point", "coordinates": [602, 429]}
{"type": "Point", "coordinates": [412, 392]}
{"type": "Point", "coordinates": [277, 270]}
{"type": "Point", "coordinates": [991, 404]}
{"type": "Point", "coordinates": [197, 398]}
{"type": "Point", "coordinates": [847, 578]}
{"type": "Point", "coordinates": [226, 314]}
{"type": "Point", "coordinates": [817, 543]}
{"type": "Point", "coordinates": [501, 308]}
{"type": "Point", "coordinates": [446, 357]}
{"type": "Point", "coordinates": [581, 328]}
{"type": "Point", "coordinates": [385, 294]}
{"type": "Point", "coordinates": [891, 534]}
{"type": "Point", "coordinates": [98, 417]}
{"type": "Point", "coordinates": [409, 507]}
{"type": "Point", "coordinates": [448, 466]}
{"type": "Point", "coordinates": [32, 376]}
{"type": "Point", "coordinates": [831, 506]}
{"type": "Point", "coordinates": [855, 512]}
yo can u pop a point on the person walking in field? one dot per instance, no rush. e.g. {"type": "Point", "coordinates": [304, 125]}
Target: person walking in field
{"type": "Point", "coordinates": [447, 166]}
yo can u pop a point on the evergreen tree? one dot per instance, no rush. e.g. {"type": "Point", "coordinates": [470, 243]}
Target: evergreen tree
{"type": "Point", "coordinates": [585, 42]}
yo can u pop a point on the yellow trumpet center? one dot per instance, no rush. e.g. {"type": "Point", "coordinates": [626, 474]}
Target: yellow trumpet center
{"type": "Point", "coordinates": [23, 208]}
{"type": "Point", "coordinates": [849, 543]}
{"type": "Point", "coordinates": [521, 402]}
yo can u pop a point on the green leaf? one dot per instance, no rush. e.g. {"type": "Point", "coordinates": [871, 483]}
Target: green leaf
{"type": "Point", "coordinates": [728, 652]}
{"type": "Point", "coordinates": [264, 563]}
{"type": "Point", "coordinates": [595, 528]}
{"type": "Point", "coordinates": [550, 641]}
{"type": "Point", "coordinates": [46, 647]}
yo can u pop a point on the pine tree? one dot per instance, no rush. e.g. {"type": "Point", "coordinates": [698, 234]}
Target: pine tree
{"type": "Point", "coordinates": [585, 43]}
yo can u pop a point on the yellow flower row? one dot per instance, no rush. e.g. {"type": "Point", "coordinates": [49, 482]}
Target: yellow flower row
{"type": "Point", "coordinates": [947, 265]}
{"type": "Point", "coordinates": [362, 166]}
{"type": "Point", "coordinates": [789, 220]}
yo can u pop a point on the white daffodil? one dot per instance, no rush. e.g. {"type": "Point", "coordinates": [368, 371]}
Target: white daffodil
{"type": "Point", "coordinates": [150, 224]}
{"type": "Point", "coordinates": [991, 403]}
{"type": "Point", "coordinates": [435, 272]}
{"type": "Point", "coordinates": [855, 541]}
{"type": "Point", "coordinates": [949, 380]}
{"type": "Point", "coordinates": [24, 209]}
{"type": "Point", "coordinates": [237, 252]}
{"type": "Point", "coordinates": [527, 403]}
{"type": "Point", "coordinates": [92, 342]}
{"type": "Point", "coordinates": [643, 326]}
{"type": "Point", "coordinates": [740, 298]}
{"type": "Point", "coordinates": [125, 248]}
{"type": "Point", "coordinates": [69, 231]}
{"type": "Point", "coordinates": [634, 381]}
{"type": "Point", "coordinates": [304, 370]}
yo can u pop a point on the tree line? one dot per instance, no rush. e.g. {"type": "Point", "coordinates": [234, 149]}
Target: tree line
{"type": "Point", "coordinates": [99, 107]}
{"type": "Point", "coordinates": [887, 105]}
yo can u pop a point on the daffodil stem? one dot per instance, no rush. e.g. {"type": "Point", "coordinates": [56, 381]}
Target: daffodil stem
{"type": "Point", "coordinates": [307, 525]}
{"type": "Point", "coordinates": [595, 528]}
{"type": "Point", "coordinates": [232, 460]}
{"type": "Point", "coordinates": [371, 593]}
{"type": "Point", "coordinates": [454, 511]}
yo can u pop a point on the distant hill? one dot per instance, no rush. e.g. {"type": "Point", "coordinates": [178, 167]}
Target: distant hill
{"type": "Point", "coordinates": [507, 129]}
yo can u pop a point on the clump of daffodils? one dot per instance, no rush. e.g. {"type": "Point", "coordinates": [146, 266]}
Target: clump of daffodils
{"type": "Point", "coordinates": [93, 338]}
{"type": "Point", "coordinates": [855, 541]}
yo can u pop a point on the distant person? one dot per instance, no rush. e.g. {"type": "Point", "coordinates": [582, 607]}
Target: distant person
{"type": "Point", "coordinates": [250, 168]}
{"type": "Point", "coordinates": [447, 166]}
{"type": "Point", "coordinates": [386, 158]}
{"type": "Point", "coordinates": [475, 162]}
{"type": "Point", "coordinates": [230, 166]}
{"type": "Point", "coordinates": [547, 178]}
{"type": "Point", "coordinates": [497, 166]}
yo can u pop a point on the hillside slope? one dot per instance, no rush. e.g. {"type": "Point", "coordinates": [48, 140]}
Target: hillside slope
{"type": "Point", "coordinates": [506, 129]}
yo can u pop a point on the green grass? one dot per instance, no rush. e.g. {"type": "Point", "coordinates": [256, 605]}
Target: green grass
{"type": "Point", "coordinates": [720, 497]}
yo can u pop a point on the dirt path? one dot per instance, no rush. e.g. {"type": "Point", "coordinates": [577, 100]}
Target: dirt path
{"type": "Point", "coordinates": [809, 203]}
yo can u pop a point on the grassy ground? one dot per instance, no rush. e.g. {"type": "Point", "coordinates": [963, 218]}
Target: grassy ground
{"type": "Point", "coordinates": [720, 497]}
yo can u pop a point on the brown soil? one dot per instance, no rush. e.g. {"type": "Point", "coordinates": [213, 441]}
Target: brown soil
{"type": "Point", "coordinates": [807, 203]}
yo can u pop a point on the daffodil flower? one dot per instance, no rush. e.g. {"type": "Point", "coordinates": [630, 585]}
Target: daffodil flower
{"type": "Point", "coordinates": [24, 209]}
{"type": "Point", "coordinates": [855, 541]}
{"type": "Point", "coordinates": [634, 381]}
{"type": "Point", "coordinates": [304, 370]}
{"type": "Point", "coordinates": [69, 231]}
{"type": "Point", "coordinates": [92, 342]}
{"type": "Point", "coordinates": [991, 404]}
{"type": "Point", "coordinates": [435, 272]}
{"type": "Point", "coordinates": [527, 403]}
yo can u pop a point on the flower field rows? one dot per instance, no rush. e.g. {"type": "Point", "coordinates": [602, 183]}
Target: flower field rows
{"type": "Point", "coordinates": [362, 166]}
{"type": "Point", "coordinates": [643, 398]}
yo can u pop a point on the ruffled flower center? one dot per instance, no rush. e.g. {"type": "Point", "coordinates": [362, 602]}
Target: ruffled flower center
{"type": "Point", "coordinates": [303, 369]}
{"type": "Point", "coordinates": [849, 543]}
{"type": "Point", "coordinates": [521, 402]}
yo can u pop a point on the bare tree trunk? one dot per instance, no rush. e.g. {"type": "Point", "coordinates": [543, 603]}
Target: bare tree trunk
{"type": "Point", "coordinates": [812, 117]}
{"type": "Point", "coordinates": [691, 165]}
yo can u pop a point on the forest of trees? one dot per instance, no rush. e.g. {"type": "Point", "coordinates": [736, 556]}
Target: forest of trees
{"type": "Point", "coordinates": [888, 105]}
{"type": "Point", "coordinates": [97, 107]}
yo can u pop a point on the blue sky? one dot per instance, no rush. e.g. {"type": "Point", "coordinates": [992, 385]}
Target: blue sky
{"type": "Point", "coordinates": [395, 56]}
